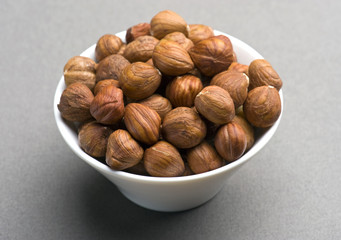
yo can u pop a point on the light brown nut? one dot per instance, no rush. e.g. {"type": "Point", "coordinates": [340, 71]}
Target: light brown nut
{"type": "Point", "coordinates": [261, 73]}
{"type": "Point", "coordinates": [141, 49]}
{"type": "Point", "coordinates": [141, 29]}
{"type": "Point", "coordinates": [198, 32]}
{"type": "Point", "coordinates": [104, 83]}
{"type": "Point", "coordinates": [107, 45]}
{"type": "Point", "coordinates": [239, 68]}
{"type": "Point", "coordinates": [248, 130]}
{"type": "Point", "coordinates": [111, 67]}
{"type": "Point", "coordinates": [122, 49]}
{"type": "Point", "coordinates": [158, 103]}
{"type": "Point", "coordinates": [180, 38]}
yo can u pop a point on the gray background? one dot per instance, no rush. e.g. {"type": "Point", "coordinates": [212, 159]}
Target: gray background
{"type": "Point", "coordinates": [290, 190]}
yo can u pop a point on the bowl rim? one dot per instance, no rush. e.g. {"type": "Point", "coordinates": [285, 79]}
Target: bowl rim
{"type": "Point", "coordinates": [63, 127]}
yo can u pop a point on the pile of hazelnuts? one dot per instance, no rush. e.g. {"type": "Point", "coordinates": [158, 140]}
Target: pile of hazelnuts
{"type": "Point", "coordinates": [172, 100]}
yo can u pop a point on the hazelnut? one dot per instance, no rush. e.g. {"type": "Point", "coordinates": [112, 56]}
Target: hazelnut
{"type": "Point", "coordinates": [141, 29]}
{"type": "Point", "coordinates": [139, 80]}
{"type": "Point", "coordinates": [80, 69]}
{"type": "Point", "coordinates": [180, 38]}
{"type": "Point", "coordinates": [183, 89]}
{"type": "Point", "coordinates": [261, 73]}
{"type": "Point", "coordinates": [108, 106]}
{"type": "Point", "coordinates": [104, 83]}
{"type": "Point", "coordinates": [93, 138]}
{"type": "Point", "coordinates": [75, 103]}
{"type": "Point", "coordinates": [107, 45]}
{"type": "Point", "coordinates": [167, 22]}
{"type": "Point", "coordinates": [262, 107]}
{"type": "Point", "coordinates": [188, 171]}
{"type": "Point", "coordinates": [203, 158]}
{"type": "Point", "coordinates": [163, 160]}
{"type": "Point", "coordinates": [122, 49]}
{"type": "Point", "coordinates": [171, 58]}
{"type": "Point", "coordinates": [142, 122]}
{"type": "Point", "coordinates": [183, 127]}
{"type": "Point", "coordinates": [215, 104]}
{"type": "Point", "coordinates": [122, 151]}
{"type": "Point", "coordinates": [198, 32]}
{"type": "Point", "coordinates": [248, 130]}
{"type": "Point", "coordinates": [239, 68]}
{"type": "Point", "coordinates": [230, 141]}
{"type": "Point", "coordinates": [212, 55]}
{"type": "Point", "coordinates": [138, 169]}
{"type": "Point", "coordinates": [158, 103]}
{"type": "Point", "coordinates": [111, 67]}
{"type": "Point", "coordinates": [141, 49]}
{"type": "Point", "coordinates": [235, 83]}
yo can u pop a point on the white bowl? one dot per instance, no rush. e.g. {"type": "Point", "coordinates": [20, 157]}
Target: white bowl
{"type": "Point", "coordinates": [167, 193]}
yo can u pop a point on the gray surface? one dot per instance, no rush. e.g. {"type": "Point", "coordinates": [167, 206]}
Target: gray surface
{"type": "Point", "coordinates": [290, 190]}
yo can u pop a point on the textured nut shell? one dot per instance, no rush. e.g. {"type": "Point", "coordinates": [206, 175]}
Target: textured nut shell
{"type": "Point", "coordinates": [230, 142]}
{"type": "Point", "coordinates": [172, 59]}
{"type": "Point", "coordinates": [122, 151]}
{"type": "Point", "coordinates": [122, 49]}
{"type": "Point", "coordinates": [141, 49]}
{"type": "Point", "coordinates": [139, 80]}
{"type": "Point", "coordinates": [183, 127]}
{"type": "Point", "coordinates": [248, 130]}
{"type": "Point", "coordinates": [75, 103]}
{"type": "Point", "coordinates": [235, 83]}
{"type": "Point", "coordinates": [108, 105]}
{"type": "Point", "coordinates": [106, 82]}
{"type": "Point", "coordinates": [167, 22]}
{"type": "Point", "coordinates": [163, 160]}
{"type": "Point", "coordinates": [111, 67]}
{"type": "Point", "coordinates": [142, 122]}
{"type": "Point", "coordinates": [212, 55]}
{"type": "Point", "coordinates": [203, 158]}
{"type": "Point", "coordinates": [107, 45]}
{"type": "Point", "coordinates": [262, 107]}
{"type": "Point", "coordinates": [215, 104]}
{"type": "Point", "coordinates": [141, 29]}
{"type": "Point", "coordinates": [158, 103]}
{"type": "Point", "coordinates": [239, 68]}
{"type": "Point", "coordinates": [93, 138]}
{"type": "Point", "coordinates": [261, 73]}
{"type": "Point", "coordinates": [198, 32]}
{"type": "Point", "coordinates": [180, 38]}
{"type": "Point", "coordinates": [80, 69]}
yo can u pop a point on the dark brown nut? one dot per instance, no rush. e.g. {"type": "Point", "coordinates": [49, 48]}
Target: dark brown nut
{"type": "Point", "coordinates": [212, 55]}
{"type": "Point", "coordinates": [188, 171]}
{"type": "Point", "coordinates": [122, 151]}
{"type": "Point", "coordinates": [122, 49]}
{"type": "Point", "coordinates": [248, 130]}
{"type": "Point", "coordinates": [171, 59]}
{"type": "Point", "coordinates": [195, 72]}
{"type": "Point", "coordinates": [198, 32]}
{"type": "Point", "coordinates": [203, 158]}
{"type": "Point", "coordinates": [138, 169]}
{"type": "Point", "coordinates": [107, 45]}
{"type": "Point", "coordinates": [230, 141]}
{"type": "Point", "coordinates": [167, 22]}
{"type": "Point", "coordinates": [262, 107]}
{"type": "Point", "coordinates": [183, 127]}
{"type": "Point", "coordinates": [108, 106]}
{"type": "Point", "coordinates": [142, 122]}
{"type": "Point", "coordinates": [261, 73]}
{"type": "Point", "coordinates": [141, 29]}
{"type": "Point", "coordinates": [215, 104]}
{"type": "Point", "coordinates": [158, 103]}
{"type": "Point", "coordinates": [163, 160]}
{"type": "Point", "coordinates": [139, 80]}
{"type": "Point", "coordinates": [111, 67]}
{"type": "Point", "coordinates": [75, 103]}
{"type": "Point", "coordinates": [182, 90]}
{"type": "Point", "coordinates": [180, 38]}
{"type": "Point", "coordinates": [93, 138]}
{"type": "Point", "coordinates": [235, 83]}
{"type": "Point", "coordinates": [80, 69]}
{"type": "Point", "coordinates": [141, 49]}
{"type": "Point", "coordinates": [104, 83]}
{"type": "Point", "coordinates": [239, 68]}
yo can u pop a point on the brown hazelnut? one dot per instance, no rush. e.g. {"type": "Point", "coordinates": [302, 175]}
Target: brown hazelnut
{"type": "Point", "coordinates": [142, 122]}
{"type": "Point", "coordinates": [163, 160]}
{"type": "Point", "coordinates": [111, 67]}
{"type": "Point", "coordinates": [80, 69]}
{"type": "Point", "coordinates": [230, 141]}
{"type": "Point", "coordinates": [107, 45]}
{"type": "Point", "coordinates": [248, 130]}
{"type": "Point", "coordinates": [262, 107]}
{"type": "Point", "coordinates": [171, 58]}
{"type": "Point", "coordinates": [167, 22]}
{"type": "Point", "coordinates": [212, 55]}
{"type": "Point", "coordinates": [141, 49]}
{"type": "Point", "coordinates": [141, 29]}
{"type": "Point", "coordinates": [198, 32]}
{"type": "Point", "coordinates": [182, 90]}
{"type": "Point", "coordinates": [215, 104]}
{"type": "Point", "coordinates": [158, 103]}
{"type": "Point", "coordinates": [188, 171]}
{"type": "Point", "coordinates": [261, 73]}
{"type": "Point", "coordinates": [239, 68]}
{"type": "Point", "coordinates": [75, 103]}
{"type": "Point", "coordinates": [104, 83]}
{"type": "Point", "coordinates": [122, 150]}
{"type": "Point", "coordinates": [203, 158]}
{"type": "Point", "coordinates": [108, 106]}
{"type": "Point", "coordinates": [93, 138]}
{"type": "Point", "coordinates": [180, 38]}
{"type": "Point", "coordinates": [183, 127]}
{"type": "Point", "coordinates": [122, 49]}
{"type": "Point", "coordinates": [139, 80]}
{"type": "Point", "coordinates": [138, 169]}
